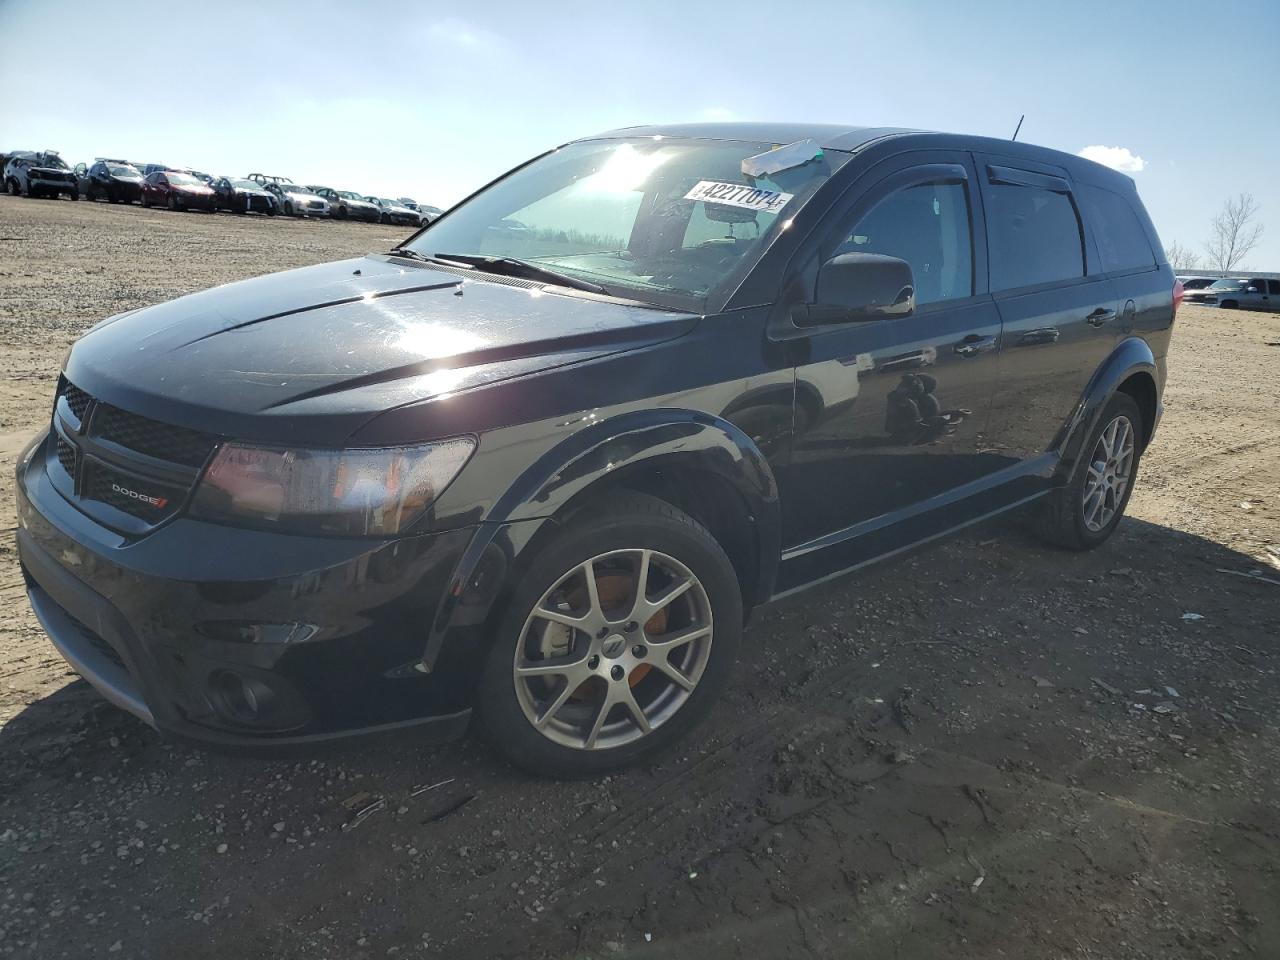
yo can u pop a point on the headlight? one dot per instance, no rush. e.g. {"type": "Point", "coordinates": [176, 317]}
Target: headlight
{"type": "Point", "coordinates": [352, 492]}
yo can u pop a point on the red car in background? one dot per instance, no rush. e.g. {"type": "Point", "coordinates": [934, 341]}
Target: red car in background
{"type": "Point", "coordinates": [177, 191]}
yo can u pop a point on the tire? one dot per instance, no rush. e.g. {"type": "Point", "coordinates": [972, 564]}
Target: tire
{"type": "Point", "coordinates": [341, 213]}
{"type": "Point", "coordinates": [11, 187]}
{"type": "Point", "coordinates": [1229, 305]}
{"type": "Point", "coordinates": [74, 194]}
{"type": "Point", "coordinates": [618, 669]}
{"type": "Point", "coordinates": [1071, 517]}
{"type": "Point", "coordinates": [172, 202]}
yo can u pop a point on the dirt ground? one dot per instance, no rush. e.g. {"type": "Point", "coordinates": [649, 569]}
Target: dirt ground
{"type": "Point", "coordinates": [987, 749]}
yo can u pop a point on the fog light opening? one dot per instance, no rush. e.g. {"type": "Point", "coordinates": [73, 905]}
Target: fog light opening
{"type": "Point", "coordinates": [241, 699]}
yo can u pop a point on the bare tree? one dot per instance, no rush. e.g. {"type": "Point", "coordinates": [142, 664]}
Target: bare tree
{"type": "Point", "coordinates": [1181, 258]}
{"type": "Point", "coordinates": [1234, 233]}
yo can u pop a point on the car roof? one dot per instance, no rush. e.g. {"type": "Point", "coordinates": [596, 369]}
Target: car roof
{"type": "Point", "coordinates": [831, 136]}
{"type": "Point", "coordinates": [851, 138]}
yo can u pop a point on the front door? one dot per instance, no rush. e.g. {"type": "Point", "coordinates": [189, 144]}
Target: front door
{"type": "Point", "coordinates": [889, 413]}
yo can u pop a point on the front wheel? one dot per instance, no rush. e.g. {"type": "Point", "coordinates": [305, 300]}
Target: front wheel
{"type": "Point", "coordinates": [617, 639]}
{"type": "Point", "coordinates": [1086, 511]}
{"type": "Point", "coordinates": [173, 202]}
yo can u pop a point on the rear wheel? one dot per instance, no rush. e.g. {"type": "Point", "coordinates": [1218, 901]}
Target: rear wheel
{"type": "Point", "coordinates": [615, 643]}
{"type": "Point", "coordinates": [1086, 511]}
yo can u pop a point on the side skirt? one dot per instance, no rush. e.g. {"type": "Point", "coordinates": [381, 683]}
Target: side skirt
{"type": "Point", "coordinates": [865, 543]}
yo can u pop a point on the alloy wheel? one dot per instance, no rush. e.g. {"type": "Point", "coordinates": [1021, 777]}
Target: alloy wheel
{"type": "Point", "coordinates": [1110, 470]}
{"type": "Point", "coordinates": [613, 649]}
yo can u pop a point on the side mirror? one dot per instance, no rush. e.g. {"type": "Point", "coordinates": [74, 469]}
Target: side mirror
{"type": "Point", "coordinates": [857, 287]}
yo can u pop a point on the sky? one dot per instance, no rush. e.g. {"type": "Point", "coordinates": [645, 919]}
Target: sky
{"type": "Point", "coordinates": [433, 100]}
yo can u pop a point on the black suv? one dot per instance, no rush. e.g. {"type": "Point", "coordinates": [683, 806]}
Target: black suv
{"type": "Point", "coordinates": [543, 459]}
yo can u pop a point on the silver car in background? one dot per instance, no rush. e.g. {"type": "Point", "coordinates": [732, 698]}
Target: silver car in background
{"type": "Point", "coordinates": [1250, 293]}
{"type": "Point", "coordinates": [298, 201]}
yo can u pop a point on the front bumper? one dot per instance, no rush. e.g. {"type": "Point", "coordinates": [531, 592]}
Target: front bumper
{"type": "Point", "coordinates": [326, 634]}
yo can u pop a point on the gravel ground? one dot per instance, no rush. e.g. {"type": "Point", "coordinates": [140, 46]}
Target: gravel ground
{"type": "Point", "coordinates": [986, 749]}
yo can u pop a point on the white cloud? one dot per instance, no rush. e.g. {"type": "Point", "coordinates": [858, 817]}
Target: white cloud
{"type": "Point", "coordinates": [1117, 158]}
{"type": "Point", "coordinates": [462, 34]}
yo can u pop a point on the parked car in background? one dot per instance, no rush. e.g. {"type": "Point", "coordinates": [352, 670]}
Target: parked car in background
{"type": "Point", "coordinates": [1194, 289]}
{"type": "Point", "coordinates": [344, 204]}
{"type": "Point", "coordinates": [1251, 293]}
{"type": "Point", "coordinates": [242, 196]}
{"type": "Point", "coordinates": [392, 211]}
{"type": "Point", "coordinates": [428, 212]}
{"type": "Point", "coordinates": [264, 179]}
{"type": "Point", "coordinates": [297, 201]}
{"type": "Point", "coordinates": [453, 493]}
{"type": "Point", "coordinates": [116, 181]}
{"type": "Point", "coordinates": [177, 191]}
{"type": "Point", "coordinates": [40, 174]}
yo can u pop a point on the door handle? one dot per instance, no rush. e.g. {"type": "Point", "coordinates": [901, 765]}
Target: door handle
{"type": "Point", "coordinates": [973, 344]}
{"type": "Point", "coordinates": [1100, 316]}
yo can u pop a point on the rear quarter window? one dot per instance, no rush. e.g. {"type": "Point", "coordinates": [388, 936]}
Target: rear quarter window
{"type": "Point", "coordinates": [1122, 241]}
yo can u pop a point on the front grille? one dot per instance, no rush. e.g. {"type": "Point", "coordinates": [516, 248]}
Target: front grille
{"type": "Point", "coordinates": [139, 497]}
{"type": "Point", "coordinates": [76, 398]}
{"type": "Point", "coordinates": [191, 448]}
{"type": "Point", "coordinates": [126, 462]}
{"type": "Point", "coordinates": [67, 456]}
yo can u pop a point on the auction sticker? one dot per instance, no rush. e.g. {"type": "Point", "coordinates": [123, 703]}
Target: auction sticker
{"type": "Point", "coordinates": [739, 195]}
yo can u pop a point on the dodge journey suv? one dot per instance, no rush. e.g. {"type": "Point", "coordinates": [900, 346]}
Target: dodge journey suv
{"type": "Point", "coordinates": [540, 461]}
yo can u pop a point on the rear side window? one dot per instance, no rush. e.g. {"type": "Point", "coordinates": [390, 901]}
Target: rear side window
{"type": "Point", "coordinates": [1275, 286]}
{"type": "Point", "coordinates": [1035, 237]}
{"type": "Point", "coordinates": [1122, 242]}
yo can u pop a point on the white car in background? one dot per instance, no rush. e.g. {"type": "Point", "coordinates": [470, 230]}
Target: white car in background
{"type": "Point", "coordinates": [298, 201]}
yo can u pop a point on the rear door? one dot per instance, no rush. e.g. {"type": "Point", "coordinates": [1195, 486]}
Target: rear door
{"type": "Point", "coordinates": [1059, 309]}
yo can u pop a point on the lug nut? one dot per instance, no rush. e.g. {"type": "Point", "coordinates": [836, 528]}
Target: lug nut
{"type": "Point", "coordinates": [616, 673]}
{"type": "Point", "coordinates": [593, 662]}
{"type": "Point", "coordinates": [638, 650]}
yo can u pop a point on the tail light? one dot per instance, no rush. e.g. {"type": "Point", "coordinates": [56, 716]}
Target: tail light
{"type": "Point", "coordinates": [1177, 296]}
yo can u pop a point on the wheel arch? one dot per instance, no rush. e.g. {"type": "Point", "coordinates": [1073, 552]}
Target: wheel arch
{"type": "Point", "coordinates": [1131, 368]}
{"type": "Point", "coordinates": [702, 464]}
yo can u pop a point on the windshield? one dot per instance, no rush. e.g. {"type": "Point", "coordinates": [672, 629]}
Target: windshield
{"type": "Point", "coordinates": [183, 180]}
{"type": "Point", "coordinates": [644, 215]}
{"type": "Point", "coordinates": [117, 170]}
{"type": "Point", "coordinates": [1229, 285]}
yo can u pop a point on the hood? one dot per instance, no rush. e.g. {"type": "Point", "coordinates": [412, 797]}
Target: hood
{"type": "Point", "coordinates": [309, 355]}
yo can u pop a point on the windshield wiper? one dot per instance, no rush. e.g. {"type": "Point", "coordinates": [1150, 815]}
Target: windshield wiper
{"type": "Point", "coordinates": [511, 267]}
{"type": "Point", "coordinates": [409, 254]}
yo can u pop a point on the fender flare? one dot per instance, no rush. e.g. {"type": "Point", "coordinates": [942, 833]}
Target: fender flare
{"type": "Point", "coordinates": [605, 451]}
{"type": "Point", "coordinates": [1130, 356]}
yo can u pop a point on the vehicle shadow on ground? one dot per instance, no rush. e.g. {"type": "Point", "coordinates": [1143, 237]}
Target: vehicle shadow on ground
{"type": "Point", "coordinates": [985, 708]}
